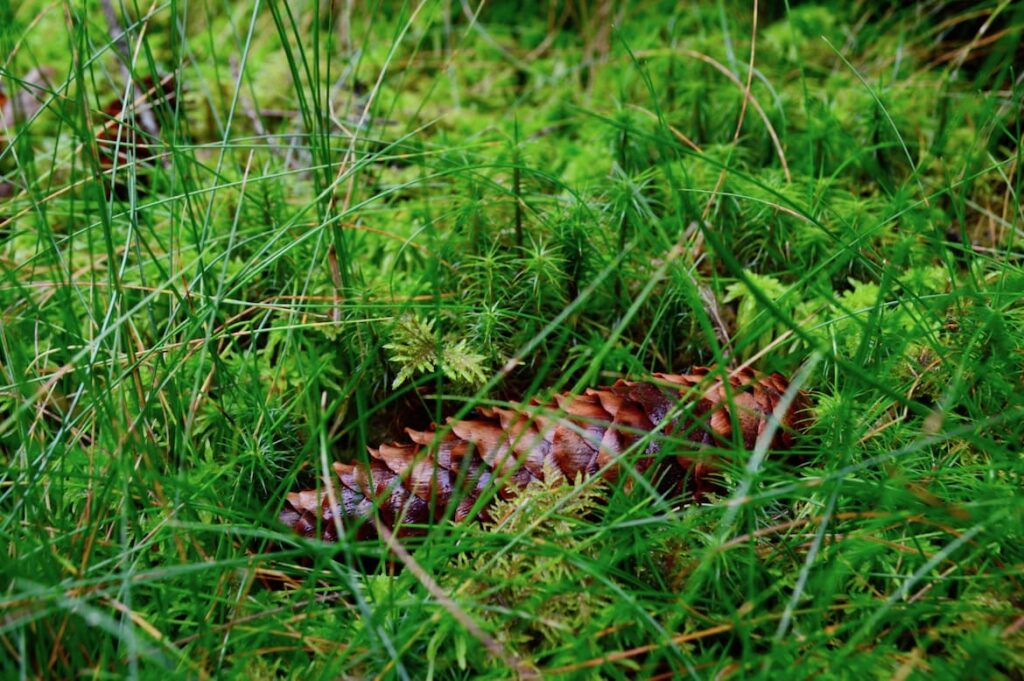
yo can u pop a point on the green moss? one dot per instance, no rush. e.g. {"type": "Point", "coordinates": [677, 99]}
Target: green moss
{"type": "Point", "coordinates": [370, 218]}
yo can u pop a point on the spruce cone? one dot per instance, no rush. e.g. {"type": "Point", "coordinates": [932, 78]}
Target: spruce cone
{"type": "Point", "coordinates": [132, 137]}
{"type": "Point", "coordinates": [414, 482]}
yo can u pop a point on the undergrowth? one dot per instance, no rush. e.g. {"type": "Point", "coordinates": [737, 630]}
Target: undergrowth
{"type": "Point", "coordinates": [332, 221]}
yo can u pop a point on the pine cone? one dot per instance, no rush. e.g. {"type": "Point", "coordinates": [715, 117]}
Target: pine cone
{"type": "Point", "coordinates": [125, 140]}
{"type": "Point", "coordinates": [414, 483]}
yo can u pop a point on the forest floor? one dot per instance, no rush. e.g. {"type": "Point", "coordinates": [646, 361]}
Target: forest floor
{"type": "Point", "coordinates": [239, 241]}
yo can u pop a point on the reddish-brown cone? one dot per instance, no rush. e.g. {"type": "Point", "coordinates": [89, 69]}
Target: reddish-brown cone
{"type": "Point", "coordinates": [125, 140]}
{"type": "Point", "coordinates": [415, 482]}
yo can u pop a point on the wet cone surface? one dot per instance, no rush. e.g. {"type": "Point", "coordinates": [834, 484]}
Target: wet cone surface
{"type": "Point", "coordinates": [416, 482]}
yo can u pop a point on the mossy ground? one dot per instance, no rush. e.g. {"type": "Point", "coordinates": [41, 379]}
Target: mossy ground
{"type": "Point", "coordinates": [360, 218]}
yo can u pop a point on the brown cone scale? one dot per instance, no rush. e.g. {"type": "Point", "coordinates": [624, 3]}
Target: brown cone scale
{"type": "Point", "coordinates": [413, 483]}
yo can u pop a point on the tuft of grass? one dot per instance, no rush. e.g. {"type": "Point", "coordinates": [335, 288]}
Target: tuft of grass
{"type": "Point", "coordinates": [344, 220]}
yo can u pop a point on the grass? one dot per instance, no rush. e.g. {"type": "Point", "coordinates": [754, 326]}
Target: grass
{"type": "Point", "coordinates": [347, 219]}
